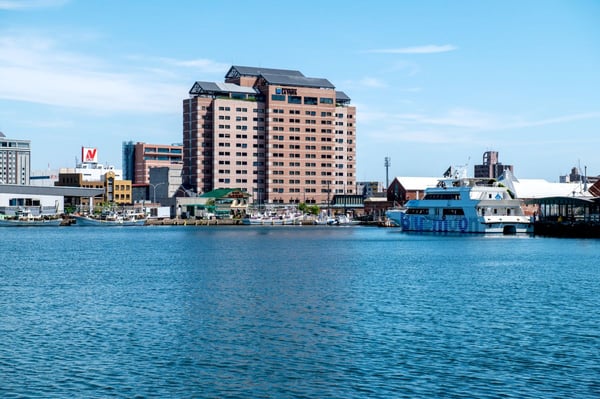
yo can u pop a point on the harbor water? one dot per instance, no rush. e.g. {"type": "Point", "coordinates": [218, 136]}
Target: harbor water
{"type": "Point", "coordinates": [296, 312]}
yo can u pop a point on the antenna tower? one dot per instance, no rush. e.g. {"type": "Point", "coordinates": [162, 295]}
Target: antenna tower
{"type": "Point", "coordinates": [388, 163]}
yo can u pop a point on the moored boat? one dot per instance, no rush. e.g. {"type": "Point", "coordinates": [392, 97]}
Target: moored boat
{"type": "Point", "coordinates": [30, 222]}
{"type": "Point", "coordinates": [271, 218]}
{"type": "Point", "coordinates": [116, 220]}
{"type": "Point", "coordinates": [464, 205]}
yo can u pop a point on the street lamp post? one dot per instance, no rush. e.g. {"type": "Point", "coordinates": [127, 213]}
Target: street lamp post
{"type": "Point", "coordinates": [154, 190]}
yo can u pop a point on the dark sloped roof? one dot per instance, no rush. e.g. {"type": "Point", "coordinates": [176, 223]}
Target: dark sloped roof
{"type": "Point", "coordinates": [340, 96]}
{"type": "Point", "coordinates": [257, 71]}
{"type": "Point", "coordinates": [300, 81]}
{"type": "Point", "coordinates": [215, 87]}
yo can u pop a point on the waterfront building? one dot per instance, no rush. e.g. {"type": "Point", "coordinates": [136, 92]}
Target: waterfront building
{"type": "Point", "coordinates": [405, 188]}
{"type": "Point", "coordinates": [165, 184]}
{"type": "Point", "coordinates": [43, 177]}
{"type": "Point", "coordinates": [91, 174]}
{"type": "Point", "coordinates": [42, 201]}
{"type": "Point", "coordinates": [276, 134]}
{"type": "Point", "coordinates": [370, 188]}
{"type": "Point", "coordinates": [139, 157]}
{"type": "Point", "coordinates": [15, 160]}
{"type": "Point", "coordinates": [491, 167]}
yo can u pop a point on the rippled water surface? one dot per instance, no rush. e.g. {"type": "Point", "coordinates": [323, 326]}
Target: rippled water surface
{"type": "Point", "coordinates": [296, 312]}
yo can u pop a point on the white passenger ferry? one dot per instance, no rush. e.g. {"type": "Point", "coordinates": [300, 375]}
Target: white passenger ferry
{"type": "Point", "coordinates": [464, 205]}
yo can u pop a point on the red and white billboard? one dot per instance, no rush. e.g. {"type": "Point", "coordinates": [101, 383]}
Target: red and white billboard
{"type": "Point", "coordinates": [89, 154]}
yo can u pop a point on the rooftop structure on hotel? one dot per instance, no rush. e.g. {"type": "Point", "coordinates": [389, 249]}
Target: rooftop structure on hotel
{"type": "Point", "coordinates": [276, 134]}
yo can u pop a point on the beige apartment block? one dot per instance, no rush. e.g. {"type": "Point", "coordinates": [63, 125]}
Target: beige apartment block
{"type": "Point", "coordinates": [280, 136]}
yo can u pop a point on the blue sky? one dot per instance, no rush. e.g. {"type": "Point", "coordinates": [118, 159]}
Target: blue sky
{"type": "Point", "coordinates": [435, 83]}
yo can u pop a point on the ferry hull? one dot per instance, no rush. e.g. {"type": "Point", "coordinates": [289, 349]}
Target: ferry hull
{"type": "Point", "coordinates": [500, 225]}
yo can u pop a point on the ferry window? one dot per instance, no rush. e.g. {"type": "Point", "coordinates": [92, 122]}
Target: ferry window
{"type": "Point", "coordinates": [418, 211]}
{"type": "Point", "coordinates": [453, 212]}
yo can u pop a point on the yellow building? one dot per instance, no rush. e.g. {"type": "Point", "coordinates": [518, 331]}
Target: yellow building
{"type": "Point", "coordinates": [115, 190]}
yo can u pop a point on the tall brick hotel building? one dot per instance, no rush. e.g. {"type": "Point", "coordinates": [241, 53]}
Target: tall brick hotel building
{"type": "Point", "coordinates": [278, 135]}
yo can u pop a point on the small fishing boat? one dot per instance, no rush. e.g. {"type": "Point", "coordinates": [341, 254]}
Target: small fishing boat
{"type": "Point", "coordinates": [273, 218]}
{"type": "Point", "coordinates": [109, 220]}
{"type": "Point", "coordinates": [24, 218]}
{"type": "Point", "coordinates": [15, 222]}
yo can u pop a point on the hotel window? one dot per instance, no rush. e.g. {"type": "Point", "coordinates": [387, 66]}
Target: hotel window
{"type": "Point", "coordinates": [310, 100]}
{"type": "Point", "coordinates": [294, 100]}
{"type": "Point", "coordinates": [277, 97]}
{"type": "Point", "coordinates": [325, 100]}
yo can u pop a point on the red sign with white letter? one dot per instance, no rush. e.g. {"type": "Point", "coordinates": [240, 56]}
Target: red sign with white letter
{"type": "Point", "coordinates": [89, 154]}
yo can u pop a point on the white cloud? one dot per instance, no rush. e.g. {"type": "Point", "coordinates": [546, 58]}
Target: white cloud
{"type": "Point", "coordinates": [457, 125]}
{"type": "Point", "coordinates": [39, 70]}
{"type": "Point", "coordinates": [428, 49]}
{"type": "Point", "coordinates": [30, 4]}
{"type": "Point", "coordinates": [553, 121]}
{"type": "Point", "coordinates": [201, 64]}
{"type": "Point", "coordinates": [371, 83]}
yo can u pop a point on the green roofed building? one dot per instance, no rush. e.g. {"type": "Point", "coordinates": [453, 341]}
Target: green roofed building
{"type": "Point", "coordinates": [221, 203]}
